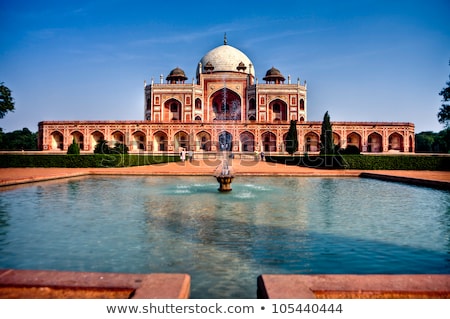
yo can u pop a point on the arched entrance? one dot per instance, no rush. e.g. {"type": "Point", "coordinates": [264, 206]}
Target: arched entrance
{"type": "Point", "coordinates": [312, 142]}
{"type": "Point", "coordinates": [247, 141]}
{"type": "Point", "coordinates": [96, 137]}
{"type": "Point", "coordinates": [374, 143]}
{"type": "Point", "coordinates": [354, 139]}
{"type": "Point", "coordinates": [139, 141]}
{"type": "Point", "coordinates": [160, 142]}
{"type": "Point", "coordinates": [181, 140]}
{"type": "Point", "coordinates": [78, 138]}
{"type": "Point", "coordinates": [172, 110]}
{"type": "Point", "coordinates": [225, 141]}
{"type": "Point", "coordinates": [226, 105]}
{"type": "Point", "coordinates": [396, 142]}
{"type": "Point", "coordinates": [277, 110]}
{"type": "Point", "coordinates": [269, 142]}
{"type": "Point", "coordinates": [203, 141]}
{"type": "Point", "coordinates": [117, 138]}
{"type": "Point", "coordinates": [57, 141]}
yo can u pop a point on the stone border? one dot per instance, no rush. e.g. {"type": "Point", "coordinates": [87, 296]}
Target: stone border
{"type": "Point", "coordinates": [35, 283]}
{"type": "Point", "coordinates": [353, 286]}
{"type": "Point", "coordinates": [408, 180]}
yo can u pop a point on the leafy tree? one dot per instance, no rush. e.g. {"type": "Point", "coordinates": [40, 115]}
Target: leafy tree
{"type": "Point", "coordinates": [292, 139]}
{"type": "Point", "coordinates": [444, 111]}
{"type": "Point", "coordinates": [74, 148]}
{"type": "Point", "coordinates": [6, 100]}
{"type": "Point", "coordinates": [18, 140]}
{"type": "Point", "coordinates": [431, 142]}
{"type": "Point", "coordinates": [326, 137]}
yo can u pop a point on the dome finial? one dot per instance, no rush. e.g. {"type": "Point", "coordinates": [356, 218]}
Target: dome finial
{"type": "Point", "coordinates": [225, 42]}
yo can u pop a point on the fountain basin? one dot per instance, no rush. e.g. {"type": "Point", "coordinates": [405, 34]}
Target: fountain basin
{"type": "Point", "coordinates": [225, 182]}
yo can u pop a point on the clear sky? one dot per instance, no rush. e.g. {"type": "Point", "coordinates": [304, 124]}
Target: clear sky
{"type": "Point", "coordinates": [87, 60]}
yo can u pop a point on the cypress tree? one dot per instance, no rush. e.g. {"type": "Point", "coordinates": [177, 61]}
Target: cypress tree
{"type": "Point", "coordinates": [74, 148]}
{"type": "Point", "coordinates": [291, 138]}
{"type": "Point", "coordinates": [326, 137]}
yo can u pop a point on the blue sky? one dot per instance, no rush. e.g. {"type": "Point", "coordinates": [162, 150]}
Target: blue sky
{"type": "Point", "coordinates": [87, 60]}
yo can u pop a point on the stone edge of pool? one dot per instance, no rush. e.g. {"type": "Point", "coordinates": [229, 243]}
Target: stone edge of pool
{"type": "Point", "coordinates": [347, 286]}
{"type": "Point", "coordinates": [19, 284]}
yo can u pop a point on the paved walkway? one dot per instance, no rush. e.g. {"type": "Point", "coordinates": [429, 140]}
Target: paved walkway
{"type": "Point", "coordinates": [14, 176]}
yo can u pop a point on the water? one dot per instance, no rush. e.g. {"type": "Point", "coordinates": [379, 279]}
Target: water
{"type": "Point", "coordinates": [225, 240]}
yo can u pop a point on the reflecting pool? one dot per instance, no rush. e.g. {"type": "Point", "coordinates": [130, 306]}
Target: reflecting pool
{"type": "Point", "coordinates": [224, 241]}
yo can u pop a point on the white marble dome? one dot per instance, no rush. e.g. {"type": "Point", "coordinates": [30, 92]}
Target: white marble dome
{"type": "Point", "coordinates": [226, 58]}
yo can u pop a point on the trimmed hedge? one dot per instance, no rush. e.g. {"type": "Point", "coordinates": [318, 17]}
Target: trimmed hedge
{"type": "Point", "coordinates": [368, 162]}
{"type": "Point", "coordinates": [84, 161]}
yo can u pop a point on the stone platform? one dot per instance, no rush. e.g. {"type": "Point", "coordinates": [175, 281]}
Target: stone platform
{"type": "Point", "coordinates": [41, 284]}
{"type": "Point", "coordinates": [353, 286]}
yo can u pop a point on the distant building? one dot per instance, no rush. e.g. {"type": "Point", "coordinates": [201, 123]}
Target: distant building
{"type": "Point", "coordinates": [224, 108]}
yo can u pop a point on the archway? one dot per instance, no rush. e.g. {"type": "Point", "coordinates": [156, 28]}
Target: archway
{"type": "Point", "coordinates": [172, 110]}
{"type": "Point", "coordinates": [226, 105]}
{"type": "Point", "coordinates": [374, 143]}
{"type": "Point", "coordinates": [181, 140]}
{"type": "Point", "coordinates": [396, 142]}
{"type": "Point", "coordinates": [78, 137]}
{"type": "Point", "coordinates": [269, 141]}
{"type": "Point", "coordinates": [312, 142]}
{"type": "Point", "coordinates": [117, 137]}
{"type": "Point", "coordinates": [57, 141]}
{"type": "Point", "coordinates": [96, 137]}
{"type": "Point", "coordinates": [354, 139]}
{"type": "Point", "coordinates": [225, 141]}
{"type": "Point", "coordinates": [139, 141]}
{"type": "Point", "coordinates": [277, 110]}
{"type": "Point", "coordinates": [203, 141]}
{"type": "Point", "coordinates": [160, 142]}
{"type": "Point", "coordinates": [247, 141]}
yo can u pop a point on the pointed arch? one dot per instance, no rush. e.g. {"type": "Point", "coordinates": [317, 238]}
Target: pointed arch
{"type": "Point", "coordinates": [374, 143]}
{"type": "Point", "coordinates": [160, 142]}
{"type": "Point", "coordinates": [78, 137]}
{"type": "Point", "coordinates": [396, 142]}
{"type": "Point", "coordinates": [225, 105]}
{"type": "Point", "coordinates": [139, 141]}
{"type": "Point", "coordinates": [312, 140]}
{"type": "Point", "coordinates": [269, 142]}
{"type": "Point", "coordinates": [203, 141]}
{"type": "Point", "coordinates": [278, 110]}
{"type": "Point", "coordinates": [172, 110]}
{"type": "Point", "coordinates": [354, 139]}
{"type": "Point", "coordinates": [247, 142]}
{"type": "Point", "coordinates": [181, 140]}
{"type": "Point", "coordinates": [57, 140]}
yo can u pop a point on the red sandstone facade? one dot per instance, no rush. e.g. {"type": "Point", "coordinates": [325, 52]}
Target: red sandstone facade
{"type": "Point", "coordinates": [225, 108]}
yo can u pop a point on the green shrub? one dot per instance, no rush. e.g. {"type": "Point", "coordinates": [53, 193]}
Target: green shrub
{"type": "Point", "coordinates": [84, 161]}
{"type": "Point", "coordinates": [73, 149]}
{"type": "Point", "coordinates": [368, 162]}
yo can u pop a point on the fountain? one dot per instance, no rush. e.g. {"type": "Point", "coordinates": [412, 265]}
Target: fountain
{"type": "Point", "coordinates": [224, 177]}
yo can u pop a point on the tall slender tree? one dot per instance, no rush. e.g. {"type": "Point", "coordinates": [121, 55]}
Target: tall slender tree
{"type": "Point", "coordinates": [292, 138]}
{"type": "Point", "coordinates": [326, 137]}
